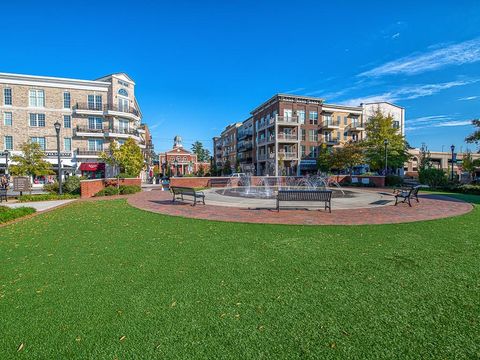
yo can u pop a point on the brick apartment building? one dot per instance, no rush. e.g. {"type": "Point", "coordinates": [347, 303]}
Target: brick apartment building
{"type": "Point", "coordinates": [92, 114]}
{"type": "Point", "coordinates": [288, 130]}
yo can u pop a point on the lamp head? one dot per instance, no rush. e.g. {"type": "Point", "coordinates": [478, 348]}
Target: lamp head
{"type": "Point", "coordinates": [385, 141]}
{"type": "Point", "coordinates": [452, 148]}
{"type": "Point", "coordinates": [57, 127]}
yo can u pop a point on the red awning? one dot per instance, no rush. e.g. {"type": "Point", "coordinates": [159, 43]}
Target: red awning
{"type": "Point", "coordinates": [92, 166]}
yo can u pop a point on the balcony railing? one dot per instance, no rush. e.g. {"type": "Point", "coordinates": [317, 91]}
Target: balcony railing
{"type": "Point", "coordinates": [287, 119]}
{"type": "Point", "coordinates": [287, 155]}
{"type": "Point", "coordinates": [285, 136]}
{"type": "Point", "coordinates": [244, 133]}
{"type": "Point", "coordinates": [106, 107]}
{"type": "Point", "coordinates": [86, 152]}
{"type": "Point", "coordinates": [330, 124]}
{"type": "Point", "coordinates": [109, 129]}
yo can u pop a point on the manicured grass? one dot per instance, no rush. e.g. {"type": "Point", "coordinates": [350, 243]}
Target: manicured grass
{"type": "Point", "coordinates": [102, 280]}
{"type": "Point", "coordinates": [9, 214]}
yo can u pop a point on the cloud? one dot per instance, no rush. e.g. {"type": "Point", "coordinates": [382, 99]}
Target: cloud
{"type": "Point", "coordinates": [457, 54]}
{"type": "Point", "coordinates": [297, 90]}
{"type": "Point", "coordinates": [436, 121]}
{"type": "Point", "coordinates": [469, 98]}
{"type": "Point", "coordinates": [396, 35]}
{"type": "Point", "coordinates": [409, 92]}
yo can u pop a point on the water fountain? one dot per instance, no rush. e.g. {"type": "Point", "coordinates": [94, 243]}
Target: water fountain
{"type": "Point", "coordinates": [265, 187]}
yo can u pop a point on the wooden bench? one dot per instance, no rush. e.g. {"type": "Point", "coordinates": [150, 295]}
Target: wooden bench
{"type": "Point", "coordinates": [3, 194]}
{"type": "Point", "coordinates": [406, 194]}
{"type": "Point", "coordinates": [305, 195]}
{"type": "Point", "coordinates": [182, 191]}
{"type": "Point", "coordinates": [221, 182]}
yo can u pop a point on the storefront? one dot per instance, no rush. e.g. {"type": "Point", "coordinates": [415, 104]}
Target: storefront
{"type": "Point", "coordinates": [92, 170]}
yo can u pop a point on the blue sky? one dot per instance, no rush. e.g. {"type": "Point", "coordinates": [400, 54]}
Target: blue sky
{"type": "Point", "coordinates": [200, 65]}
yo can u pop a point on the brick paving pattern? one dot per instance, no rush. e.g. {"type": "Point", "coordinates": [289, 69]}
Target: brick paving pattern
{"type": "Point", "coordinates": [430, 207]}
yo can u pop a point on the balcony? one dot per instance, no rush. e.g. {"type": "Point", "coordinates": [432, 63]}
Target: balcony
{"type": "Point", "coordinates": [106, 132]}
{"type": "Point", "coordinates": [287, 120]}
{"type": "Point", "coordinates": [332, 141]}
{"type": "Point", "coordinates": [330, 125]}
{"type": "Point", "coordinates": [287, 155]}
{"type": "Point", "coordinates": [244, 146]}
{"type": "Point", "coordinates": [105, 109]}
{"type": "Point", "coordinates": [287, 137]}
{"type": "Point", "coordinates": [88, 153]}
{"type": "Point", "coordinates": [86, 131]}
{"type": "Point", "coordinates": [262, 141]}
{"type": "Point", "coordinates": [356, 126]}
{"type": "Point", "coordinates": [242, 134]}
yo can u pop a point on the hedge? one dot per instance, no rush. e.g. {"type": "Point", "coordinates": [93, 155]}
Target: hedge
{"type": "Point", "coordinates": [9, 214]}
{"type": "Point", "coordinates": [121, 190]}
{"type": "Point", "coordinates": [46, 197]}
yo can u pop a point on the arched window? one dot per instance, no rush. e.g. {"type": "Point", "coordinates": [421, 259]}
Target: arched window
{"type": "Point", "coordinates": [123, 92]}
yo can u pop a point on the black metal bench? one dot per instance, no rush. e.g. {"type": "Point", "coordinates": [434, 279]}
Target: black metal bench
{"type": "Point", "coordinates": [305, 195]}
{"type": "Point", "coordinates": [180, 191]}
{"type": "Point", "coordinates": [3, 194]}
{"type": "Point", "coordinates": [406, 194]}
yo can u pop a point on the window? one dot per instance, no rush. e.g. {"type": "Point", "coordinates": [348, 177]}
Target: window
{"type": "Point", "coordinates": [7, 96]}
{"type": "Point", "coordinates": [121, 142]}
{"type": "Point", "coordinates": [95, 102]}
{"type": "Point", "coordinates": [123, 92]}
{"type": "Point", "coordinates": [66, 100]}
{"type": "Point", "coordinates": [40, 141]}
{"type": "Point", "coordinates": [123, 105]}
{"type": "Point", "coordinates": [339, 120]}
{"type": "Point", "coordinates": [67, 121]}
{"type": "Point", "coordinates": [7, 119]}
{"type": "Point", "coordinates": [396, 124]}
{"type": "Point", "coordinates": [327, 119]}
{"type": "Point", "coordinates": [287, 113]}
{"type": "Point", "coordinates": [345, 120]}
{"type": "Point", "coordinates": [95, 123]}
{"type": "Point", "coordinates": [8, 143]}
{"type": "Point", "coordinates": [67, 144]}
{"type": "Point", "coordinates": [313, 151]}
{"type": "Point", "coordinates": [301, 116]}
{"type": "Point", "coordinates": [312, 135]}
{"type": "Point", "coordinates": [95, 145]}
{"type": "Point", "coordinates": [302, 149]}
{"type": "Point", "coordinates": [303, 135]}
{"type": "Point", "coordinates": [123, 126]}
{"type": "Point", "coordinates": [36, 98]}
{"type": "Point", "coordinates": [37, 120]}
{"type": "Point", "coordinates": [313, 117]}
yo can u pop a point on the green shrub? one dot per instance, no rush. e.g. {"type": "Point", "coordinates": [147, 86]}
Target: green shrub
{"type": "Point", "coordinates": [434, 178]}
{"type": "Point", "coordinates": [8, 214]}
{"type": "Point", "coordinates": [469, 189]}
{"type": "Point", "coordinates": [108, 191]}
{"type": "Point", "coordinates": [129, 189]}
{"type": "Point", "coordinates": [126, 176]}
{"type": "Point", "coordinates": [70, 186]}
{"type": "Point", "coordinates": [46, 197]}
{"type": "Point", "coordinates": [393, 180]}
{"type": "Point", "coordinates": [52, 188]}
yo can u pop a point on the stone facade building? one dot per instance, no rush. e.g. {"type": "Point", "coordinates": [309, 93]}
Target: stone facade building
{"type": "Point", "coordinates": [92, 114]}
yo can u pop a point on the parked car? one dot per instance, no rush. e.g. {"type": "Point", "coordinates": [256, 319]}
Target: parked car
{"type": "Point", "coordinates": [238, 174]}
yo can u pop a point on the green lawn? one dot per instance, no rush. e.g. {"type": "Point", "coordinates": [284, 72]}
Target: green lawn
{"type": "Point", "coordinates": [102, 280]}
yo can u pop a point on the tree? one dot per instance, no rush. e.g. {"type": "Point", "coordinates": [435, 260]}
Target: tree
{"type": "Point", "coordinates": [127, 157]}
{"type": "Point", "coordinates": [203, 155]}
{"type": "Point", "coordinates": [378, 129]}
{"type": "Point", "coordinates": [227, 168]}
{"type": "Point", "coordinates": [424, 159]}
{"type": "Point", "coordinates": [31, 162]}
{"type": "Point", "coordinates": [469, 165]}
{"type": "Point", "coordinates": [324, 159]}
{"type": "Point", "coordinates": [475, 136]}
{"type": "Point", "coordinates": [347, 157]}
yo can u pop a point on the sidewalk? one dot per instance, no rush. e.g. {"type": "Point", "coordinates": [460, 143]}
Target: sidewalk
{"type": "Point", "coordinates": [38, 205]}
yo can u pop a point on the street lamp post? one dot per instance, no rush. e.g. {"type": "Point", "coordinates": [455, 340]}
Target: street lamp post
{"type": "Point", "coordinates": [6, 161]}
{"type": "Point", "coordinates": [59, 163]}
{"type": "Point", "coordinates": [453, 154]}
{"type": "Point", "coordinates": [385, 142]}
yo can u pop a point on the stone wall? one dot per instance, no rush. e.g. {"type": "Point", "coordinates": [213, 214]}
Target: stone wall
{"type": "Point", "coordinates": [88, 188]}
